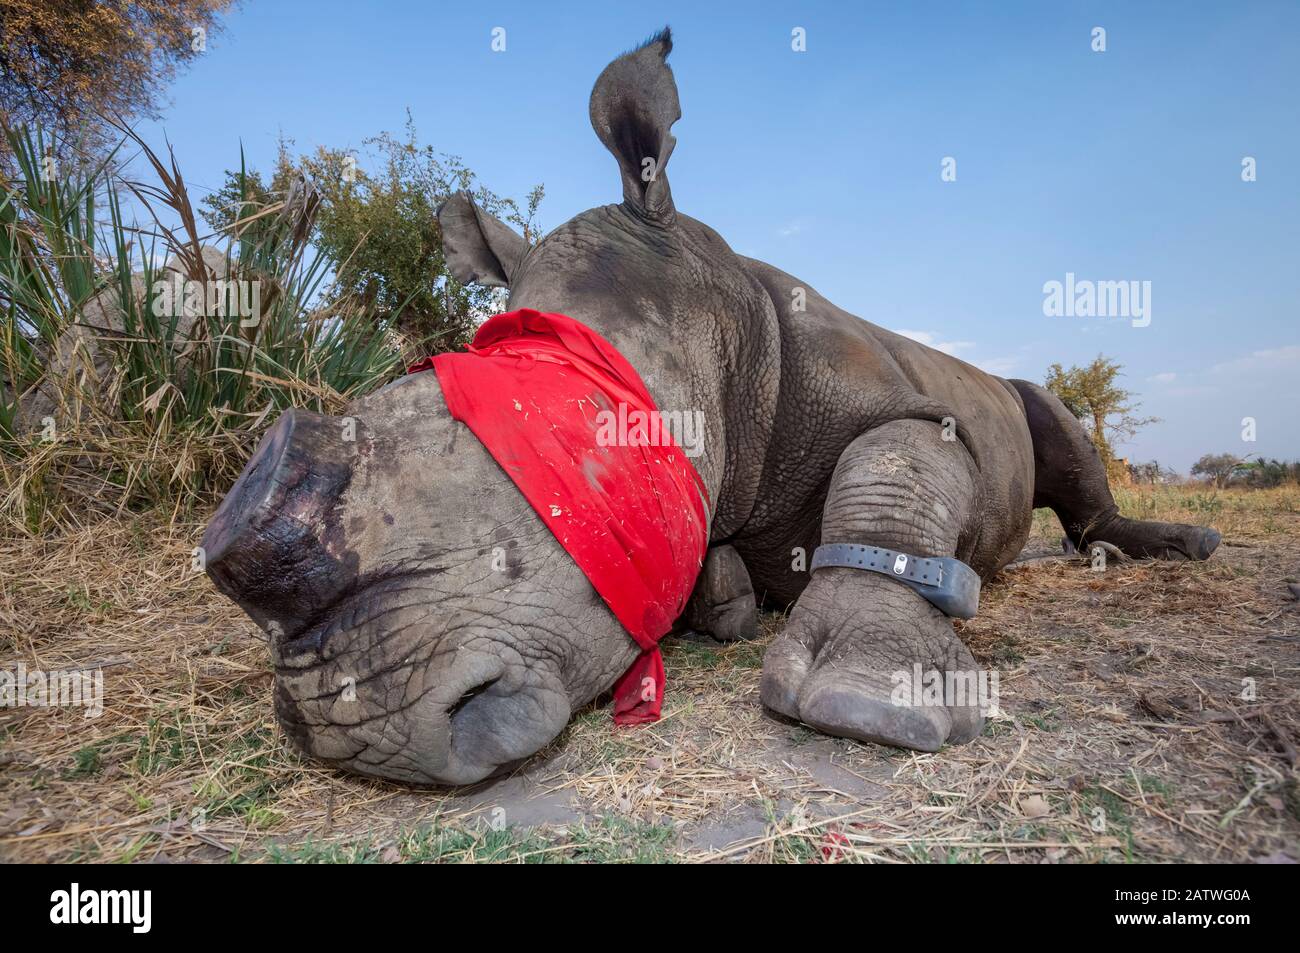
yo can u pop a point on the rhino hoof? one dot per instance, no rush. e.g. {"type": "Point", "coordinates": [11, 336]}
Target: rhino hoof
{"type": "Point", "coordinates": [844, 711]}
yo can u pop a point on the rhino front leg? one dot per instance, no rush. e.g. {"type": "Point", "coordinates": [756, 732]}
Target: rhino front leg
{"type": "Point", "coordinates": [854, 637]}
{"type": "Point", "coordinates": [723, 603]}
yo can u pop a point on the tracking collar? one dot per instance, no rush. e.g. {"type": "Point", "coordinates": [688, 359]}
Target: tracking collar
{"type": "Point", "coordinates": [948, 583]}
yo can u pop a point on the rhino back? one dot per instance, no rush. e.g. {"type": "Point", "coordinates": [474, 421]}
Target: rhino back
{"type": "Point", "coordinates": [842, 376]}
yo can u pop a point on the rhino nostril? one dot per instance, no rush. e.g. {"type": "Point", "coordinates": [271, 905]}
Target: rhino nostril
{"type": "Point", "coordinates": [469, 696]}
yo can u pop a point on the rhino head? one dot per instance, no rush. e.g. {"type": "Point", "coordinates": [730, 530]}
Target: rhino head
{"type": "Point", "coordinates": [424, 623]}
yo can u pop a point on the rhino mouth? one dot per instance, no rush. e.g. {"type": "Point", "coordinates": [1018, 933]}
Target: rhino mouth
{"type": "Point", "coordinates": [394, 681]}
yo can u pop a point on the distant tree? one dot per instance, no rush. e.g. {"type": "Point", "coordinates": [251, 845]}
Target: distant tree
{"type": "Point", "coordinates": [1107, 411]}
{"type": "Point", "coordinates": [233, 202]}
{"type": "Point", "coordinates": [65, 62]}
{"type": "Point", "coordinates": [1151, 472]}
{"type": "Point", "coordinates": [1218, 468]}
{"type": "Point", "coordinates": [1264, 473]}
{"type": "Point", "coordinates": [240, 205]}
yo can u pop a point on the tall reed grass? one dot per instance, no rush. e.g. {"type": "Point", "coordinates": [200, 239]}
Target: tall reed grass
{"type": "Point", "coordinates": [117, 389]}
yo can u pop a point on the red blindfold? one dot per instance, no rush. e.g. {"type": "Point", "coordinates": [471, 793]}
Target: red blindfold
{"type": "Point", "coordinates": [536, 390]}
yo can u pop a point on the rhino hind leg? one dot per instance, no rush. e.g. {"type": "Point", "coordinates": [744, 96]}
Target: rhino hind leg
{"type": "Point", "coordinates": [1070, 478]}
{"type": "Point", "coordinates": [723, 603]}
{"type": "Point", "coordinates": [857, 642]}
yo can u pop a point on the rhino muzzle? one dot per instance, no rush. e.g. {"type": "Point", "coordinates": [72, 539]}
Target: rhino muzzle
{"type": "Point", "coordinates": [381, 666]}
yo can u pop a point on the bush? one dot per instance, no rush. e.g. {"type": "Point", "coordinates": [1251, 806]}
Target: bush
{"type": "Point", "coordinates": [382, 226]}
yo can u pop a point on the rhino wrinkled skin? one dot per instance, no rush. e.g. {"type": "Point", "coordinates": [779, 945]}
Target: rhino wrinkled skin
{"type": "Point", "coordinates": [425, 625]}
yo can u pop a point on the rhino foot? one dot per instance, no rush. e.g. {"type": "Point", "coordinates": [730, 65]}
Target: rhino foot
{"type": "Point", "coordinates": [1145, 539]}
{"type": "Point", "coordinates": [723, 603]}
{"type": "Point", "coordinates": [853, 656]}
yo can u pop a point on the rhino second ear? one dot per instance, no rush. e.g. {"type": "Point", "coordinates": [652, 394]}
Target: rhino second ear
{"type": "Point", "coordinates": [479, 247]}
{"type": "Point", "coordinates": [633, 107]}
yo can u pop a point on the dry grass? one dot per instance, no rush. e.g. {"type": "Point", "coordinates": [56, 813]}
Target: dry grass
{"type": "Point", "coordinates": [1124, 733]}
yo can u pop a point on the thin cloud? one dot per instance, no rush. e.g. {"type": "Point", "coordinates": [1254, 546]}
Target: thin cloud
{"type": "Point", "coordinates": [997, 366]}
{"type": "Point", "coordinates": [930, 339]}
{"type": "Point", "coordinates": [1267, 359]}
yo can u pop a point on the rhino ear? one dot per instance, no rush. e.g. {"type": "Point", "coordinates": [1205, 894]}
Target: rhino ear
{"type": "Point", "coordinates": [479, 247]}
{"type": "Point", "coordinates": [633, 106]}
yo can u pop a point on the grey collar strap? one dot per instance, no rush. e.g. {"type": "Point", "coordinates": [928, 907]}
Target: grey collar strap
{"type": "Point", "coordinates": [948, 583]}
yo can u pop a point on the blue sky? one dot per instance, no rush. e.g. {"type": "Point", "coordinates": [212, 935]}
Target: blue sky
{"type": "Point", "coordinates": [1123, 165]}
